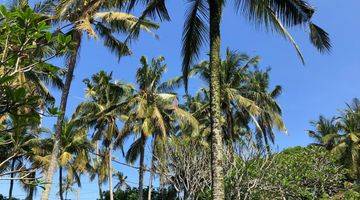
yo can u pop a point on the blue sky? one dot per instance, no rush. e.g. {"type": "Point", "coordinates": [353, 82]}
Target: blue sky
{"type": "Point", "coordinates": [322, 86]}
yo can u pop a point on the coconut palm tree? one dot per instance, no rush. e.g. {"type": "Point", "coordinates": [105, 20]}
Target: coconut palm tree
{"type": "Point", "coordinates": [74, 153]}
{"type": "Point", "coordinates": [102, 111]}
{"type": "Point", "coordinates": [348, 139]}
{"type": "Point", "coordinates": [152, 112]}
{"type": "Point", "coordinates": [273, 14]}
{"type": "Point", "coordinates": [341, 135]}
{"type": "Point", "coordinates": [97, 18]}
{"type": "Point", "coordinates": [121, 185]}
{"type": "Point", "coordinates": [270, 113]}
{"type": "Point", "coordinates": [244, 98]}
{"type": "Point", "coordinates": [21, 140]}
{"type": "Point", "coordinates": [326, 132]}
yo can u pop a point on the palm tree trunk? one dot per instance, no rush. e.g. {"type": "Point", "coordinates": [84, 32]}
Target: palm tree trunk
{"type": "Point", "coordinates": [98, 177]}
{"type": "Point", "coordinates": [152, 171]}
{"type": "Point", "coordinates": [215, 109]}
{"type": "Point", "coordinates": [110, 173]}
{"type": "Point", "coordinates": [60, 184]}
{"type": "Point", "coordinates": [12, 176]}
{"type": "Point", "coordinates": [141, 170]}
{"type": "Point", "coordinates": [267, 145]}
{"type": "Point", "coordinates": [100, 190]}
{"type": "Point", "coordinates": [230, 130]}
{"type": "Point", "coordinates": [161, 186]}
{"type": "Point", "coordinates": [76, 37]}
{"type": "Point", "coordinates": [30, 194]}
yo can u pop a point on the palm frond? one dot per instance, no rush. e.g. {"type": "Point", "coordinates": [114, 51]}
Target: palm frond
{"type": "Point", "coordinates": [134, 151]}
{"type": "Point", "coordinates": [110, 41]}
{"type": "Point", "coordinates": [85, 25]}
{"type": "Point", "coordinates": [195, 34]}
{"type": "Point", "coordinates": [319, 38]}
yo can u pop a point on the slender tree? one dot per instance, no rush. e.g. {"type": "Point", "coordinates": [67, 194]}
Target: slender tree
{"type": "Point", "coordinates": [102, 111]}
{"type": "Point", "coordinates": [341, 135]}
{"type": "Point", "coordinates": [326, 131]}
{"type": "Point", "coordinates": [275, 15]}
{"type": "Point", "coordinates": [74, 153]}
{"type": "Point", "coordinates": [152, 110]}
{"type": "Point", "coordinates": [95, 19]}
{"type": "Point", "coordinates": [244, 98]}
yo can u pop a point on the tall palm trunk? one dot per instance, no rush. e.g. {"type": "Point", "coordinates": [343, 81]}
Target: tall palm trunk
{"type": "Point", "coordinates": [141, 170]}
{"type": "Point", "coordinates": [100, 190]}
{"type": "Point", "coordinates": [215, 109]}
{"type": "Point", "coordinates": [12, 180]}
{"type": "Point", "coordinates": [110, 173]}
{"type": "Point", "coordinates": [267, 145]}
{"type": "Point", "coordinates": [98, 162]}
{"type": "Point", "coordinates": [152, 171]}
{"type": "Point", "coordinates": [60, 183]}
{"type": "Point", "coordinates": [230, 132]}
{"type": "Point", "coordinates": [30, 194]}
{"type": "Point", "coordinates": [76, 37]}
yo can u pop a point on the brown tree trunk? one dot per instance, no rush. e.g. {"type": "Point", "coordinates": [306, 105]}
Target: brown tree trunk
{"type": "Point", "coordinates": [110, 173]}
{"type": "Point", "coordinates": [267, 145]}
{"type": "Point", "coordinates": [141, 170]}
{"type": "Point", "coordinates": [12, 176]}
{"type": "Point", "coordinates": [230, 130]}
{"type": "Point", "coordinates": [217, 185]}
{"type": "Point", "coordinates": [76, 37]}
{"type": "Point", "coordinates": [152, 171]}
{"type": "Point", "coordinates": [98, 177]}
{"type": "Point", "coordinates": [100, 190]}
{"type": "Point", "coordinates": [60, 184]}
{"type": "Point", "coordinates": [30, 194]}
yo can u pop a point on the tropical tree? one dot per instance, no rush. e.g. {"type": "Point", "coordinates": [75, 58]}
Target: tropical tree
{"type": "Point", "coordinates": [326, 132]}
{"type": "Point", "coordinates": [274, 15]}
{"type": "Point", "coordinates": [28, 45]}
{"type": "Point", "coordinates": [294, 173]}
{"type": "Point", "coordinates": [74, 154]}
{"type": "Point", "coordinates": [122, 184]}
{"type": "Point", "coordinates": [102, 111]}
{"type": "Point", "coordinates": [153, 112]}
{"type": "Point", "coordinates": [244, 98]}
{"type": "Point", "coordinates": [348, 139]}
{"type": "Point", "coordinates": [19, 151]}
{"type": "Point", "coordinates": [341, 135]}
{"type": "Point", "coordinates": [96, 19]}
{"type": "Point", "coordinates": [270, 113]}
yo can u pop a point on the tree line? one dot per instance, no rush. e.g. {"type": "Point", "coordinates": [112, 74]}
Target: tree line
{"type": "Point", "coordinates": [201, 143]}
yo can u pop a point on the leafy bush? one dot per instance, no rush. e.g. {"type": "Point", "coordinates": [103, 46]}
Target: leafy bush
{"type": "Point", "coordinates": [295, 173]}
{"type": "Point", "coordinates": [133, 194]}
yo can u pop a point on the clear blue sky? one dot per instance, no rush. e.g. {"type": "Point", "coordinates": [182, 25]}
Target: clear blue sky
{"type": "Point", "coordinates": [322, 86]}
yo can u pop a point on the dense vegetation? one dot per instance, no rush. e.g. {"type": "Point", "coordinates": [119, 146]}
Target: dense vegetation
{"type": "Point", "coordinates": [215, 143]}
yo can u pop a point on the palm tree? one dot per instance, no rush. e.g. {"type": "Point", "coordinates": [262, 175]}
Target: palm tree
{"type": "Point", "coordinates": [74, 153]}
{"type": "Point", "coordinates": [348, 139]}
{"type": "Point", "coordinates": [121, 185]}
{"type": "Point", "coordinates": [275, 15]}
{"type": "Point", "coordinates": [152, 112]}
{"type": "Point", "coordinates": [102, 111]}
{"type": "Point", "coordinates": [95, 19]}
{"type": "Point", "coordinates": [244, 98]}
{"type": "Point", "coordinates": [20, 156]}
{"type": "Point", "coordinates": [270, 111]}
{"type": "Point", "coordinates": [100, 167]}
{"type": "Point", "coordinates": [326, 132]}
{"type": "Point", "coordinates": [341, 135]}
